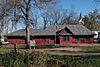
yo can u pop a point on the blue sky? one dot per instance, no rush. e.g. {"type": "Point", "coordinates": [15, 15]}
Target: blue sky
{"type": "Point", "coordinates": [80, 6]}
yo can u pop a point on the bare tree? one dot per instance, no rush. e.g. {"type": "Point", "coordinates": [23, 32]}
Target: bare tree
{"type": "Point", "coordinates": [45, 18]}
{"type": "Point", "coordinates": [15, 16]}
{"type": "Point", "coordinates": [26, 9]}
{"type": "Point", "coordinates": [56, 16]}
{"type": "Point", "coordinates": [71, 17]}
{"type": "Point", "coordinates": [7, 13]}
{"type": "Point", "coordinates": [53, 15]}
{"type": "Point", "coordinates": [5, 7]}
{"type": "Point", "coordinates": [91, 20]}
{"type": "Point", "coordinates": [22, 10]}
{"type": "Point", "coordinates": [34, 21]}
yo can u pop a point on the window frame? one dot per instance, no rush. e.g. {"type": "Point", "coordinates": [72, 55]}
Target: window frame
{"type": "Point", "coordinates": [88, 39]}
{"type": "Point", "coordinates": [65, 38]}
{"type": "Point", "coordinates": [43, 39]}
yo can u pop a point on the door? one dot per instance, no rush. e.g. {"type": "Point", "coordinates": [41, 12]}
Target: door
{"type": "Point", "coordinates": [57, 40]}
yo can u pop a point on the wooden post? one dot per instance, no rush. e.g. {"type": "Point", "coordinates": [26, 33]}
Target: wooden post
{"type": "Point", "coordinates": [15, 51]}
{"type": "Point", "coordinates": [15, 46]}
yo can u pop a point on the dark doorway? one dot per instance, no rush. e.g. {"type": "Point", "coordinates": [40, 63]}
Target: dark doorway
{"type": "Point", "coordinates": [57, 40]}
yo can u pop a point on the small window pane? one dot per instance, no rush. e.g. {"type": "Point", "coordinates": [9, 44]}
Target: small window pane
{"type": "Point", "coordinates": [76, 39]}
{"type": "Point", "coordinates": [65, 38]}
{"type": "Point", "coordinates": [87, 39]}
{"type": "Point", "coordinates": [44, 39]}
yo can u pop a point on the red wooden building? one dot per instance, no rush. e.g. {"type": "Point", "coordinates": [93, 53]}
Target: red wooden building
{"type": "Point", "coordinates": [54, 34]}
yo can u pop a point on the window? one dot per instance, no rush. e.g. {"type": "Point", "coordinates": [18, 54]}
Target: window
{"type": "Point", "coordinates": [44, 40]}
{"type": "Point", "coordinates": [76, 39]}
{"type": "Point", "coordinates": [65, 38]}
{"type": "Point", "coordinates": [87, 39]}
{"type": "Point", "coordinates": [80, 39]}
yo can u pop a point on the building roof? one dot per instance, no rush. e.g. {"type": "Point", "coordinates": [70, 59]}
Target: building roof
{"type": "Point", "coordinates": [79, 30]}
{"type": "Point", "coordinates": [53, 29]}
{"type": "Point", "coordinates": [22, 32]}
{"type": "Point", "coordinates": [74, 29]}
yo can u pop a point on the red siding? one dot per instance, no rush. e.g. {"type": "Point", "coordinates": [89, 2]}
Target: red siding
{"type": "Point", "coordinates": [66, 42]}
{"type": "Point", "coordinates": [64, 32]}
{"type": "Point", "coordinates": [72, 39]}
{"type": "Point", "coordinates": [18, 40]}
{"type": "Point", "coordinates": [92, 39]}
{"type": "Point", "coordinates": [48, 41]}
{"type": "Point", "coordinates": [21, 40]}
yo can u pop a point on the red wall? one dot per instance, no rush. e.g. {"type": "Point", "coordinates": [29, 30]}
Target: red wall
{"type": "Point", "coordinates": [66, 42]}
{"type": "Point", "coordinates": [72, 39]}
{"type": "Point", "coordinates": [39, 40]}
{"type": "Point", "coordinates": [92, 39]}
{"type": "Point", "coordinates": [21, 40]}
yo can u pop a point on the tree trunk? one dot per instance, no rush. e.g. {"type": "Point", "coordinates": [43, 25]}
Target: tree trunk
{"type": "Point", "coordinates": [27, 26]}
{"type": "Point", "coordinates": [2, 26]}
{"type": "Point", "coordinates": [27, 35]}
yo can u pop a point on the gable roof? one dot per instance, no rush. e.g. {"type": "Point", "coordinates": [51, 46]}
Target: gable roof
{"type": "Point", "coordinates": [54, 29]}
{"type": "Point", "coordinates": [74, 29]}
{"type": "Point", "coordinates": [79, 30]}
{"type": "Point", "coordinates": [22, 32]}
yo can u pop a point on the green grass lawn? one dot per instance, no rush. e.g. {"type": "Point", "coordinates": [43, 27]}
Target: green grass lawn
{"type": "Point", "coordinates": [78, 61]}
{"type": "Point", "coordinates": [90, 48]}
{"type": "Point", "coordinates": [69, 61]}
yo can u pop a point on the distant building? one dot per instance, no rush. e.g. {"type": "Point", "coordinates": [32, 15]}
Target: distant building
{"type": "Point", "coordinates": [80, 20]}
{"type": "Point", "coordinates": [97, 35]}
{"type": "Point", "coordinates": [54, 34]}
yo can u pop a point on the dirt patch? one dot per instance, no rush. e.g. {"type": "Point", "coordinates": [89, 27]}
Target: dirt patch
{"type": "Point", "coordinates": [67, 49]}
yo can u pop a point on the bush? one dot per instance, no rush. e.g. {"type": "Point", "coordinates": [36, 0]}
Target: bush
{"type": "Point", "coordinates": [41, 59]}
{"type": "Point", "coordinates": [24, 59]}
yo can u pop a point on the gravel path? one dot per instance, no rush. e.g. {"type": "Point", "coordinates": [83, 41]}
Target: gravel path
{"type": "Point", "coordinates": [73, 53]}
{"type": "Point", "coordinates": [66, 51]}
